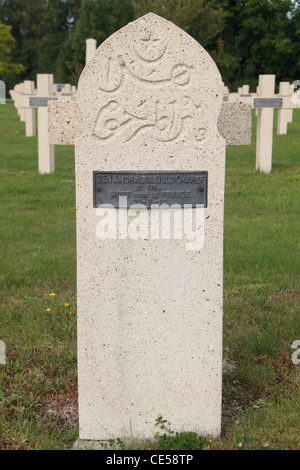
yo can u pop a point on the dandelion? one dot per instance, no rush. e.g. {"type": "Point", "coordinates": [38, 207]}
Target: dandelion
{"type": "Point", "coordinates": [48, 310]}
{"type": "Point", "coordinates": [52, 294]}
{"type": "Point", "coordinates": [66, 305]}
{"type": "Point", "coordinates": [70, 313]}
{"type": "Point", "coordinates": [240, 444]}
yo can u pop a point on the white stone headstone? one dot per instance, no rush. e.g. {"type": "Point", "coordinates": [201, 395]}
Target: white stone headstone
{"type": "Point", "coordinates": [283, 114]}
{"type": "Point", "coordinates": [67, 89]}
{"type": "Point", "coordinates": [265, 117]}
{"type": "Point", "coordinates": [20, 88]}
{"type": "Point", "coordinates": [46, 151]}
{"type": "Point", "coordinates": [2, 353]}
{"type": "Point", "coordinates": [290, 111]}
{"type": "Point", "coordinates": [91, 47]}
{"type": "Point", "coordinates": [149, 305]}
{"type": "Point", "coordinates": [30, 113]}
{"type": "Point", "coordinates": [245, 90]}
{"type": "Point", "coordinates": [2, 92]}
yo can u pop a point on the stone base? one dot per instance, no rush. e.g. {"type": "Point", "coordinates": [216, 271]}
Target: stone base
{"type": "Point", "coordinates": [82, 444]}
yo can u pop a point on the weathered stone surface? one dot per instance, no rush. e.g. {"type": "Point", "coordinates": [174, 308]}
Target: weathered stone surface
{"type": "Point", "coordinates": [235, 123]}
{"type": "Point", "coordinates": [65, 122]}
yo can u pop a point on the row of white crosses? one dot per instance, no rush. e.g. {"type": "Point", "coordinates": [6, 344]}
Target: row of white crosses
{"type": "Point", "coordinates": [27, 115]}
{"type": "Point", "coordinates": [264, 101]}
{"type": "Point", "coordinates": [285, 90]}
{"type": "Point", "coordinates": [65, 120]}
{"type": "Point", "coordinates": [27, 99]}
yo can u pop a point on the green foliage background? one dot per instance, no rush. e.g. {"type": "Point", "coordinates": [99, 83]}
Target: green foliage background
{"type": "Point", "coordinates": [7, 67]}
{"type": "Point", "coordinates": [245, 37]}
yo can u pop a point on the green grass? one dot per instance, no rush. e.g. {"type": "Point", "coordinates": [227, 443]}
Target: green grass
{"type": "Point", "coordinates": [38, 385]}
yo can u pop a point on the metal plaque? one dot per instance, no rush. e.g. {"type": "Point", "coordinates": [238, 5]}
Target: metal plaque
{"type": "Point", "coordinates": [225, 98]}
{"type": "Point", "coordinates": [246, 96]}
{"type": "Point", "coordinates": [268, 103]}
{"type": "Point", "coordinates": [40, 102]}
{"type": "Point", "coordinates": [124, 189]}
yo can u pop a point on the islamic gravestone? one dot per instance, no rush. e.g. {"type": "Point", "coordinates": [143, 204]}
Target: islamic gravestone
{"type": "Point", "coordinates": [149, 305]}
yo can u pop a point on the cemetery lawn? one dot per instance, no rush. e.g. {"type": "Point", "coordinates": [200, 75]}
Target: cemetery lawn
{"type": "Point", "coordinates": [38, 385]}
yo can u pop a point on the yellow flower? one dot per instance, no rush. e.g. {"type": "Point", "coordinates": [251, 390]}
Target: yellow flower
{"type": "Point", "coordinates": [240, 444]}
{"type": "Point", "coordinates": [66, 305]}
{"type": "Point", "coordinates": [52, 294]}
{"type": "Point", "coordinates": [48, 310]}
{"type": "Point", "coordinates": [70, 313]}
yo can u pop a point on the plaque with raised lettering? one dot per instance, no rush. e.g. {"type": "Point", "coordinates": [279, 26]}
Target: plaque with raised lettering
{"type": "Point", "coordinates": [267, 103]}
{"type": "Point", "coordinates": [149, 189]}
{"type": "Point", "coordinates": [38, 102]}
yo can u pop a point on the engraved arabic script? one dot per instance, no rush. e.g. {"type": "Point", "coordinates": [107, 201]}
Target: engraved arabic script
{"type": "Point", "coordinates": [166, 120]}
{"type": "Point", "coordinates": [147, 90]}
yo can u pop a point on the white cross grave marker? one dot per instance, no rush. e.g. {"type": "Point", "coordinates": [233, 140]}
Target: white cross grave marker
{"type": "Point", "coordinates": [27, 102]}
{"type": "Point", "coordinates": [91, 47]}
{"type": "Point", "coordinates": [2, 92]}
{"type": "Point", "coordinates": [264, 102]}
{"type": "Point", "coordinates": [30, 113]}
{"type": "Point", "coordinates": [2, 353]}
{"type": "Point", "coordinates": [46, 163]}
{"type": "Point", "coordinates": [283, 114]}
{"type": "Point", "coordinates": [290, 111]}
{"type": "Point", "coordinates": [264, 137]}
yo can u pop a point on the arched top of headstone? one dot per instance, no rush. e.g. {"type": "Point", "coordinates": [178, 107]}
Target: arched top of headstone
{"type": "Point", "coordinates": [150, 79]}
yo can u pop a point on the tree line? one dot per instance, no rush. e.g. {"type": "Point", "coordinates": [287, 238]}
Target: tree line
{"type": "Point", "coordinates": [245, 37]}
